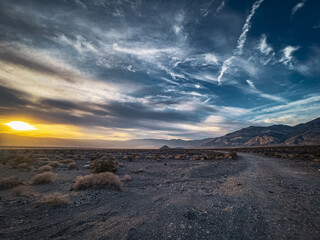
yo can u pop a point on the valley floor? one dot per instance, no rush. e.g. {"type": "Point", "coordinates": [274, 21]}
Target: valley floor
{"type": "Point", "coordinates": [254, 197]}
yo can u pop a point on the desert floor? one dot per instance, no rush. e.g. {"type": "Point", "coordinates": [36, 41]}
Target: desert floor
{"type": "Point", "coordinates": [254, 197]}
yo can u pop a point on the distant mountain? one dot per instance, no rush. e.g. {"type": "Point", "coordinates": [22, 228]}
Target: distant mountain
{"type": "Point", "coordinates": [302, 134]}
{"type": "Point", "coordinates": [164, 147]}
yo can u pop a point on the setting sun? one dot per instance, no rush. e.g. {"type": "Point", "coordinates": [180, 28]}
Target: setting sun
{"type": "Point", "coordinates": [21, 126]}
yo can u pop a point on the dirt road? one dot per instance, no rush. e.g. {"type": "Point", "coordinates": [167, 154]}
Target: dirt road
{"type": "Point", "coordinates": [254, 197]}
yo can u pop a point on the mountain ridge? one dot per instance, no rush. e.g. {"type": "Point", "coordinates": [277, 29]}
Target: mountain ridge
{"type": "Point", "coordinates": [301, 134]}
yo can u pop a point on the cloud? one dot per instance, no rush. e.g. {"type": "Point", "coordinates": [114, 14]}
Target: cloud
{"type": "Point", "coordinates": [294, 104]}
{"type": "Point", "coordinates": [297, 7]}
{"type": "Point", "coordinates": [287, 58]}
{"type": "Point", "coordinates": [254, 90]}
{"type": "Point", "coordinates": [247, 26]}
{"type": "Point", "coordinates": [220, 7]}
{"type": "Point", "coordinates": [210, 58]}
{"type": "Point", "coordinates": [224, 68]}
{"type": "Point", "coordinates": [263, 46]}
{"type": "Point", "coordinates": [241, 40]}
{"type": "Point", "coordinates": [250, 83]}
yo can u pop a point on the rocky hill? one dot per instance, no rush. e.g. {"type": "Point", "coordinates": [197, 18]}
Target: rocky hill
{"type": "Point", "coordinates": [302, 134]}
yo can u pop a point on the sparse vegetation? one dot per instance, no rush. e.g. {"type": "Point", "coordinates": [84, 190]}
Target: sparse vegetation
{"type": "Point", "coordinates": [137, 171]}
{"type": "Point", "coordinates": [17, 160]}
{"type": "Point", "coordinates": [98, 180]}
{"type": "Point", "coordinates": [45, 168]}
{"type": "Point", "coordinates": [9, 182]}
{"type": "Point", "coordinates": [126, 178]}
{"type": "Point", "coordinates": [45, 177]}
{"type": "Point", "coordinates": [106, 164]}
{"type": "Point", "coordinates": [54, 200]}
{"type": "Point", "coordinates": [66, 161]}
{"type": "Point", "coordinates": [23, 191]}
{"type": "Point", "coordinates": [23, 166]}
{"type": "Point", "coordinates": [53, 163]}
{"type": "Point", "coordinates": [72, 165]}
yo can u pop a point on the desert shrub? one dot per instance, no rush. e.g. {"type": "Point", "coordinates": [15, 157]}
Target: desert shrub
{"type": "Point", "coordinates": [45, 168]}
{"type": "Point", "coordinates": [9, 182]}
{"type": "Point", "coordinates": [234, 155]}
{"type": "Point", "coordinates": [138, 171]}
{"type": "Point", "coordinates": [14, 160]}
{"type": "Point", "coordinates": [72, 165]}
{"type": "Point", "coordinates": [54, 200]}
{"type": "Point", "coordinates": [23, 166]}
{"type": "Point", "coordinates": [45, 177]}
{"type": "Point", "coordinates": [126, 178]}
{"type": "Point", "coordinates": [66, 161]}
{"type": "Point", "coordinates": [23, 191]}
{"type": "Point", "coordinates": [98, 180]}
{"type": "Point", "coordinates": [129, 158]}
{"type": "Point", "coordinates": [53, 163]}
{"type": "Point", "coordinates": [104, 165]}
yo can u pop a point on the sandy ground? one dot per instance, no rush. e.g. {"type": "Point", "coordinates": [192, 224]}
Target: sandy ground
{"type": "Point", "coordinates": [254, 197]}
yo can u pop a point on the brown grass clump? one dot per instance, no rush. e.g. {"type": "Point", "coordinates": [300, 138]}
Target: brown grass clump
{"type": "Point", "coordinates": [99, 180]}
{"type": "Point", "coordinates": [66, 161]}
{"type": "Point", "coordinates": [23, 166]}
{"type": "Point", "coordinates": [53, 164]}
{"type": "Point", "coordinates": [126, 178]}
{"type": "Point", "coordinates": [45, 177]}
{"type": "Point", "coordinates": [104, 165]}
{"type": "Point", "coordinates": [45, 168]}
{"type": "Point", "coordinates": [72, 165]}
{"type": "Point", "coordinates": [23, 191]}
{"type": "Point", "coordinates": [14, 160]}
{"type": "Point", "coordinates": [128, 158]}
{"type": "Point", "coordinates": [138, 171]}
{"type": "Point", "coordinates": [9, 182]}
{"type": "Point", "coordinates": [54, 200]}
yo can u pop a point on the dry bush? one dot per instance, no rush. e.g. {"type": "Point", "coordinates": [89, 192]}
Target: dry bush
{"type": "Point", "coordinates": [234, 155]}
{"type": "Point", "coordinates": [53, 163]}
{"type": "Point", "coordinates": [24, 191]}
{"type": "Point", "coordinates": [138, 171]}
{"type": "Point", "coordinates": [128, 158]}
{"type": "Point", "coordinates": [104, 165]}
{"type": "Point", "coordinates": [126, 178]}
{"type": "Point", "coordinates": [9, 182]}
{"type": "Point", "coordinates": [98, 180]}
{"type": "Point", "coordinates": [66, 161]}
{"type": "Point", "coordinates": [14, 160]}
{"type": "Point", "coordinates": [45, 177]}
{"type": "Point", "coordinates": [72, 165]}
{"type": "Point", "coordinates": [23, 166]}
{"type": "Point", "coordinates": [54, 200]}
{"type": "Point", "coordinates": [45, 168]}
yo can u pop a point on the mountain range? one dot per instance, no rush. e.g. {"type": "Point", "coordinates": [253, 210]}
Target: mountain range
{"type": "Point", "coordinates": [301, 134]}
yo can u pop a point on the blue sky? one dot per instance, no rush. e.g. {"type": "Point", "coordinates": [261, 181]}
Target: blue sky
{"type": "Point", "coordinates": [159, 69]}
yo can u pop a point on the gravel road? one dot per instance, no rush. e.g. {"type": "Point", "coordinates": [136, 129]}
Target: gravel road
{"type": "Point", "coordinates": [254, 197]}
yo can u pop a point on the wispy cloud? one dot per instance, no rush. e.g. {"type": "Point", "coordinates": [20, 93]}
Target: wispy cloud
{"type": "Point", "coordinates": [241, 40]}
{"type": "Point", "coordinates": [264, 47]}
{"type": "Point", "coordinates": [297, 7]}
{"type": "Point", "coordinates": [224, 68]}
{"type": "Point", "coordinates": [220, 7]}
{"type": "Point", "coordinates": [247, 26]}
{"type": "Point", "coordinates": [254, 90]}
{"type": "Point", "coordinates": [287, 58]}
{"type": "Point", "coordinates": [250, 83]}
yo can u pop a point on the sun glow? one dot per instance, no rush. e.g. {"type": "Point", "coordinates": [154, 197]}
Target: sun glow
{"type": "Point", "coordinates": [20, 126]}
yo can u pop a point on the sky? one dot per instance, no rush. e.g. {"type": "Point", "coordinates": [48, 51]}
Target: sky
{"type": "Point", "coordinates": [121, 69]}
